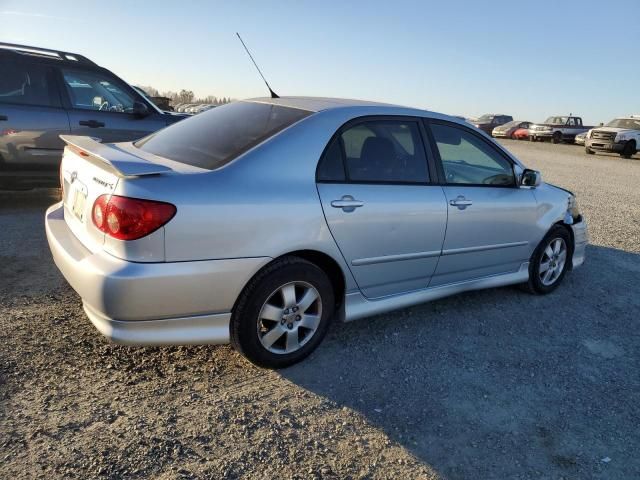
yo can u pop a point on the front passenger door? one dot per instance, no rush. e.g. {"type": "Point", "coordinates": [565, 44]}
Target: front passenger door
{"type": "Point", "coordinates": [385, 215]}
{"type": "Point", "coordinates": [99, 105]}
{"type": "Point", "coordinates": [491, 226]}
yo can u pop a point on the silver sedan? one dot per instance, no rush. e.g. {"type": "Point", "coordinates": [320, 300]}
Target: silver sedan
{"type": "Point", "coordinates": [261, 221]}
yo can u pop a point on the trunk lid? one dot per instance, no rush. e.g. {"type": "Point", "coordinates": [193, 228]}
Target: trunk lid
{"type": "Point", "coordinates": [90, 169]}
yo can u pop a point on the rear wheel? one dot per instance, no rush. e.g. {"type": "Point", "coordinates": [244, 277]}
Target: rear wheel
{"type": "Point", "coordinates": [550, 261]}
{"type": "Point", "coordinates": [557, 137]}
{"type": "Point", "coordinates": [283, 313]}
{"type": "Point", "coordinates": [629, 149]}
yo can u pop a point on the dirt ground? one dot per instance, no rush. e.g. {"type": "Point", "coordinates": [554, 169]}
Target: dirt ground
{"type": "Point", "coordinates": [496, 384]}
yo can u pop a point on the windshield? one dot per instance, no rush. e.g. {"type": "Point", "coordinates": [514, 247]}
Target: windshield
{"type": "Point", "coordinates": [511, 124]}
{"type": "Point", "coordinates": [629, 123]}
{"type": "Point", "coordinates": [485, 118]}
{"type": "Point", "coordinates": [215, 137]}
{"type": "Point", "coordinates": [556, 120]}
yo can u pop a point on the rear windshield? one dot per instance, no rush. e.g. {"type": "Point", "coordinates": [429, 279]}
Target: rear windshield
{"type": "Point", "coordinates": [213, 138]}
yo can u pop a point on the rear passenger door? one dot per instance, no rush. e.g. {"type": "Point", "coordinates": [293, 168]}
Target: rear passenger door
{"type": "Point", "coordinates": [491, 226]}
{"type": "Point", "coordinates": [31, 118]}
{"type": "Point", "coordinates": [386, 216]}
{"type": "Point", "coordinates": [100, 105]}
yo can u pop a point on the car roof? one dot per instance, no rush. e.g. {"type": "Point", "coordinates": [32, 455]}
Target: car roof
{"type": "Point", "coordinates": [45, 54]}
{"type": "Point", "coordinates": [355, 107]}
{"type": "Point", "coordinates": [317, 104]}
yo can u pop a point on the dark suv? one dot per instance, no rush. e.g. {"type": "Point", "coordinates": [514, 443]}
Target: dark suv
{"type": "Point", "coordinates": [45, 93]}
{"type": "Point", "coordinates": [488, 122]}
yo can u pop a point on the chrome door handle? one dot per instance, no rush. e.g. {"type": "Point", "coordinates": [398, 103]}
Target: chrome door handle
{"type": "Point", "coordinates": [347, 203]}
{"type": "Point", "coordinates": [460, 202]}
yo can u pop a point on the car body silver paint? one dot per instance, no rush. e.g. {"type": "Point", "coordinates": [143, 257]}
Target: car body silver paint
{"type": "Point", "coordinates": [264, 204]}
{"type": "Point", "coordinates": [491, 236]}
{"type": "Point", "coordinates": [134, 291]}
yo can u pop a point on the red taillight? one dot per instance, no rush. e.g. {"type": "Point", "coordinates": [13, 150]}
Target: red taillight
{"type": "Point", "coordinates": [127, 218]}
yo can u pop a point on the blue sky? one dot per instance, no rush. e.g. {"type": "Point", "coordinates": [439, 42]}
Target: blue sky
{"type": "Point", "coordinates": [527, 59]}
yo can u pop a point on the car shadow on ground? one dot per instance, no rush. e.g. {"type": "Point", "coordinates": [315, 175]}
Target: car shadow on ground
{"type": "Point", "coordinates": [500, 383]}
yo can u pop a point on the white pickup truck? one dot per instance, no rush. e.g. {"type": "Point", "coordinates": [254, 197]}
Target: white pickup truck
{"type": "Point", "coordinates": [557, 129]}
{"type": "Point", "coordinates": [620, 135]}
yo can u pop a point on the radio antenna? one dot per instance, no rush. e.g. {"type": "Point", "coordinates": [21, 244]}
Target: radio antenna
{"type": "Point", "coordinates": [273, 94]}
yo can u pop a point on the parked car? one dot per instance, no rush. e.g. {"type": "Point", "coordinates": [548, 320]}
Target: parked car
{"type": "Point", "coordinates": [508, 129]}
{"type": "Point", "coordinates": [557, 129]}
{"type": "Point", "coordinates": [46, 93]}
{"type": "Point", "coordinates": [259, 222]}
{"type": "Point", "coordinates": [163, 103]}
{"type": "Point", "coordinates": [488, 122]}
{"type": "Point", "coordinates": [521, 134]}
{"type": "Point", "coordinates": [580, 138]}
{"type": "Point", "coordinates": [204, 107]}
{"type": "Point", "coordinates": [621, 135]}
{"type": "Point", "coordinates": [184, 107]}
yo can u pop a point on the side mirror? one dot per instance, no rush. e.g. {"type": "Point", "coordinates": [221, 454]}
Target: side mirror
{"type": "Point", "coordinates": [140, 110]}
{"type": "Point", "coordinates": [531, 178]}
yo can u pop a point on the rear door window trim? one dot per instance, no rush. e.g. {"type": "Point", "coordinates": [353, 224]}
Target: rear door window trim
{"type": "Point", "coordinates": [337, 136]}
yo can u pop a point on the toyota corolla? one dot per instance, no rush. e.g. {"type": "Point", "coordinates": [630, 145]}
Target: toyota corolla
{"type": "Point", "coordinates": [260, 222]}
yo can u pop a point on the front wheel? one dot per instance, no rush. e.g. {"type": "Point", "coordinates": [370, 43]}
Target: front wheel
{"type": "Point", "coordinates": [550, 261]}
{"type": "Point", "coordinates": [557, 137]}
{"type": "Point", "coordinates": [283, 313]}
{"type": "Point", "coordinates": [588, 151]}
{"type": "Point", "coordinates": [629, 149]}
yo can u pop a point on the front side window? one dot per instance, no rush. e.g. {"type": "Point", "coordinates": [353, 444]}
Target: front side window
{"type": "Point", "coordinates": [96, 91]}
{"type": "Point", "coordinates": [25, 84]}
{"type": "Point", "coordinates": [213, 138]}
{"type": "Point", "coordinates": [384, 151]}
{"type": "Point", "coordinates": [467, 159]}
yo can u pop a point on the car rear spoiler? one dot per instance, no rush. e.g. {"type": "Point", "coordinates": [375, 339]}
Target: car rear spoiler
{"type": "Point", "coordinates": [124, 163]}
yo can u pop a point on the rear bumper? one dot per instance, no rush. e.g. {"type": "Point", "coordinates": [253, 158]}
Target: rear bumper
{"type": "Point", "coordinates": [173, 303]}
{"type": "Point", "coordinates": [580, 240]}
{"type": "Point", "coordinates": [12, 179]}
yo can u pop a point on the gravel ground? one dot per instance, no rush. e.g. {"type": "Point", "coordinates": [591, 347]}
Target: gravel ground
{"type": "Point", "coordinates": [494, 384]}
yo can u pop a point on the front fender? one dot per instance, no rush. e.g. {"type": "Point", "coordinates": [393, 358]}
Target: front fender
{"type": "Point", "coordinates": [553, 206]}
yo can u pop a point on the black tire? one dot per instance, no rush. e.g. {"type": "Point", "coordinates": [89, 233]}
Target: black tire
{"type": "Point", "coordinates": [535, 284]}
{"type": "Point", "coordinates": [532, 138]}
{"type": "Point", "coordinates": [589, 151]}
{"type": "Point", "coordinates": [244, 321]}
{"type": "Point", "coordinates": [557, 137]}
{"type": "Point", "coordinates": [629, 149]}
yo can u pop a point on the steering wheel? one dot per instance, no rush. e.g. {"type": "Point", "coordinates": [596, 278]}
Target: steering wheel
{"type": "Point", "coordinates": [499, 179]}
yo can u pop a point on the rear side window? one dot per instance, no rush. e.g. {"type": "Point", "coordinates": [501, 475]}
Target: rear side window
{"type": "Point", "coordinates": [376, 151]}
{"type": "Point", "coordinates": [213, 138]}
{"type": "Point", "coordinates": [26, 84]}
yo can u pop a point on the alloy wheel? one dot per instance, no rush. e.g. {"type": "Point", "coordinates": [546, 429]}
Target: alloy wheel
{"type": "Point", "coordinates": [552, 261]}
{"type": "Point", "coordinates": [290, 317]}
